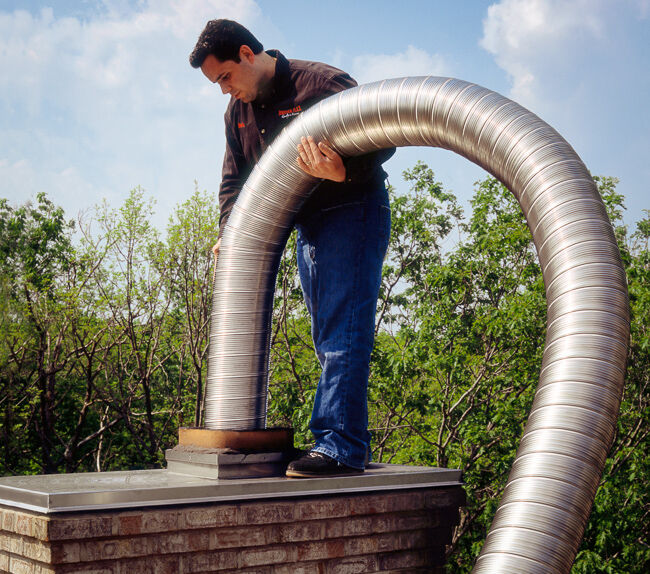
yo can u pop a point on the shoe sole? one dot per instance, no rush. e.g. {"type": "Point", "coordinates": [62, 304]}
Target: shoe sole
{"type": "Point", "coordinates": [306, 474]}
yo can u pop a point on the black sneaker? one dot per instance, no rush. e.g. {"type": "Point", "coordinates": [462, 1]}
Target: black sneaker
{"type": "Point", "coordinates": [316, 464]}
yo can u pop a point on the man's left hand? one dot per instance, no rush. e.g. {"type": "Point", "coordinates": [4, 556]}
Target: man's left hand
{"type": "Point", "coordinates": [320, 160]}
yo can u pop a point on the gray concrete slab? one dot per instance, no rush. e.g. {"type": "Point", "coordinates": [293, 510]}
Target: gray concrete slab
{"type": "Point", "coordinates": [145, 488]}
{"type": "Point", "coordinates": [226, 463]}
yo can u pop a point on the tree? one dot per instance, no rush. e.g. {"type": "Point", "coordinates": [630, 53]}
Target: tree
{"type": "Point", "coordinates": [191, 231]}
{"type": "Point", "coordinates": [461, 330]}
{"type": "Point", "coordinates": [617, 534]}
{"type": "Point", "coordinates": [131, 281]}
{"type": "Point", "coordinates": [103, 348]}
{"type": "Point", "coordinates": [47, 391]}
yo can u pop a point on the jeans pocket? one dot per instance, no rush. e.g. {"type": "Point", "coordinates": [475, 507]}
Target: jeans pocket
{"type": "Point", "coordinates": [384, 221]}
{"type": "Point", "coordinates": [345, 218]}
{"type": "Point", "coordinates": [339, 208]}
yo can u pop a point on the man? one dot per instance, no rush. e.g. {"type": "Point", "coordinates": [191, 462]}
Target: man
{"type": "Point", "coordinates": [343, 228]}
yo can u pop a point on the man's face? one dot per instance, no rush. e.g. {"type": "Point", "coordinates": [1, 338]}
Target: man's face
{"type": "Point", "coordinates": [239, 79]}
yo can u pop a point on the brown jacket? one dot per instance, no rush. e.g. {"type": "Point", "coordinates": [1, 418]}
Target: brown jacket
{"type": "Point", "coordinates": [251, 127]}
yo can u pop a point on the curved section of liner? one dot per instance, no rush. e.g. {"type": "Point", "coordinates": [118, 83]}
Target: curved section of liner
{"type": "Point", "coordinates": [548, 497]}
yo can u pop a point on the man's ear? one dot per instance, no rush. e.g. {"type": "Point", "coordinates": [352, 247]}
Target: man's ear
{"type": "Point", "coordinates": [245, 53]}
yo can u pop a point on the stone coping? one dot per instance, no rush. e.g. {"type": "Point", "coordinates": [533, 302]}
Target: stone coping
{"type": "Point", "coordinates": [141, 488]}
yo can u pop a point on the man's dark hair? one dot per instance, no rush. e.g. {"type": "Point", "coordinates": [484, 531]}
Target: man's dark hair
{"type": "Point", "coordinates": [223, 39]}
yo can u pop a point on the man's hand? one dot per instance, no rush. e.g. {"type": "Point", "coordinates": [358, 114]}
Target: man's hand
{"type": "Point", "coordinates": [215, 249]}
{"type": "Point", "coordinates": [320, 160]}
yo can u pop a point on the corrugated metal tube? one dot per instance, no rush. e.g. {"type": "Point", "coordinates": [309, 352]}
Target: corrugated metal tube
{"type": "Point", "coordinates": [546, 503]}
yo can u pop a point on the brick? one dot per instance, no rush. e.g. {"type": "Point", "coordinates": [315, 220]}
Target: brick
{"type": "Point", "coordinates": [129, 524]}
{"type": "Point", "coordinates": [242, 537]}
{"type": "Point", "coordinates": [258, 570]}
{"type": "Point", "coordinates": [352, 565]}
{"type": "Point", "coordinates": [390, 541]}
{"type": "Point", "coordinates": [94, 550]}
{"type": "Point", "coordinates": [23, 524]}
{"type": "Point", "coordinates": [135, 546]}
{"type": "Point", "coordinates": [360, 545]}
{"type": "Point", "coordinates": [303, 568]}
{"type": "Point", "coordinates": [321, 550]}
{"type": "Point", "coordinates": [405, 500]}
{"type": "Point", "coordinates": [210, 561]}
{"type": "Point", "coordinates": [369, 504]}
{"type": "Point", "coordinates": [171, 542]}
{"type": "Point", "coordinates": [4, 561]}
{"type": "Point", "coordinates": [96, 568]}
{"type": "Point", "coordinates": [15, 545]}
{"type": "Point", "coordinates": [44, 569]}
{"type": "Point", "coordinates": [65, 553]}
{"type": "Point", "coordinates": [447, 517]}
{"type": "Point", "coordinates": [377, 523]}
{"type": "Point", "coordinates": [77, 528]}
{"type": "Point", "coordinates": [20, 566]}
{"type": "Point", "coordinates": [350, 526]}
{"type": "Point", "coordinates": [152, 565]}
{"type": "Point", "coordinates": [322, 508]}
{"type": "Point", "coordinates": [160, 521]}
{"type": "Point", "coordinates": [192, 541]}
{"type": "Point", "coordinates": [413, 520]}
{"type": "Point", "coordinates": [338, 507]}
{"type": "Point", "coordinates": [334, 528]}
{"type": "Point", "coordinates": [387, 532]}
{"type": "Point", "coordinates": [269, 555]}
{"type": "Point", "coordinates": [36, 550]}
{"type": "Point", "coordinates": [386, 542]}
{"type": "Point", "coordinates": [223, 538]}
{"type": "Point", "coordinates": [8, 520]}
{"type": "Point", "coordinates": [361, 525]}
{"type": "Point", "coordinates": [299, 531]}
{"type": "Point", "coordinates": [445, 497]}
{"type": "Point", "coordinates": [40, 526]}
{"type": "Point", "coordinates": [225, 515]}
{"type": "Point", "coordinates": [403, 559]}
{"type": "Point", "coordinates": [267, 513]}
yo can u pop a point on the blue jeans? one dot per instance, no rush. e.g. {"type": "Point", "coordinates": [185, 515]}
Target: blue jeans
{"type": "Point", "coordinates": [340, 256]}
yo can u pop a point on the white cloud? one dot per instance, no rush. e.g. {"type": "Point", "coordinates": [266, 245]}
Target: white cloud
{"type": "Point", "coordinates": [534, 39]}
{"type": "Point", "coordinates": [580, 65]}
{"type": "Point", "coordinates": [109, 101]}
{"type": "Point", "coordinates": [413, 62]}
{"type": "Point", "coordinates": [128, 55]}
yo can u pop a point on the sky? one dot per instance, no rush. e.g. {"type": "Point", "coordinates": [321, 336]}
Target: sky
{"type": "Point", "coordinates": [98, 97]}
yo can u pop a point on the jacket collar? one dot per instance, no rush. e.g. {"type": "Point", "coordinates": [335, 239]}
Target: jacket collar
{"type": "Point", "coordinates": [280, 84]}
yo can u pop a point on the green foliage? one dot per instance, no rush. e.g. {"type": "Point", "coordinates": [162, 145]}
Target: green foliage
{"type": "Point", "coordinates": [617, 535]}
{"type": "Point", "coordinates": [452, 381]}
{"type": "Point", "coordinates": [461, 329]}
{"type": "Point", "coordinates": [104, 348]}
{"type": "Point", "coordinates": [35, 243]}
{"type": "Point", "coordinates": [103, 353]}
{"type": "Point", "coordinates": [294, 367]}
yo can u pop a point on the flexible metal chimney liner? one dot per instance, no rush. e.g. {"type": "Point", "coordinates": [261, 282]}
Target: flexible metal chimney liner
{"type": "Point", "coordinates": [540, 521]}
